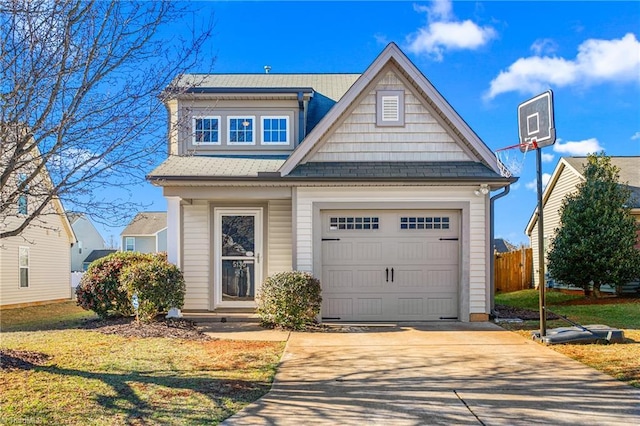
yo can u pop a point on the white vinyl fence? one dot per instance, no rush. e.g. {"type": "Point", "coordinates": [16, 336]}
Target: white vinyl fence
{"type": "Point", "coordinates": [75, 281]}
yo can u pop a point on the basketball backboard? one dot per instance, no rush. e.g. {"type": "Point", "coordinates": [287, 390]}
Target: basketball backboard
{"type": "Point", "coordinates": [536, 122]}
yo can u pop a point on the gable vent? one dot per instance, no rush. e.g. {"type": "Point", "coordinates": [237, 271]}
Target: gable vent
{"type": "Point", "coordinates": [390, 108]}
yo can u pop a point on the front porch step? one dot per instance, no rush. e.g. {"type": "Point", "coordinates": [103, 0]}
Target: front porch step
{"type": "Point", "coordinates": [227, 315]}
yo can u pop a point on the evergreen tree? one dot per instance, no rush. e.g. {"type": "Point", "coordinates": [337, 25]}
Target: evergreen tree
{"type": "Point", "coordinates": [594, 244]}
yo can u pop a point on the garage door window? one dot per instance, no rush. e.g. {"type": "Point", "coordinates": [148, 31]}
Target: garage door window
{"type": "Point", "coordinates": [424, 223]}
{"type": "Point", "coordinates": [356, 223]}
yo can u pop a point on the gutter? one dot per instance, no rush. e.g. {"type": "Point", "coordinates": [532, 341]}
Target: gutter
{"type": "Point", "coordinates": [492, 273]}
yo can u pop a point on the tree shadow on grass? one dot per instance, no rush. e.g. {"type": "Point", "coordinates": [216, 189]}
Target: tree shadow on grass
{"type": "Point", "coordinates": [167, 396]}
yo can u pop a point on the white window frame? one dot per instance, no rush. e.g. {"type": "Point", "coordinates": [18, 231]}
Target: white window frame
{"type": "Point", "coordinates": [23, 252]}
{"type": "Point", "coordinates": [382, 96]}
{"type": "Point", "coordinates": [240, 117]}
{"type": "Point", "coordinates": [274, 117]}
{"type": "Point", "coordinates": [206, 117]}
{"type": "Point", "coordinates": [126, 243]}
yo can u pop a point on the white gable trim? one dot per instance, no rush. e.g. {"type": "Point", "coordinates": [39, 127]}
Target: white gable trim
{"type": "Point", "coordinates": [391, 52]}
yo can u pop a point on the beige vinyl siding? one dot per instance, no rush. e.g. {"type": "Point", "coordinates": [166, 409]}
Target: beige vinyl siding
{"type": "Point", "coordinates": [279, 243]}
{"type": "Point", "coordinates": [49, 264]}
{"type": "Point", "coordinates": [474, 278]}
{"type": "Point", "coordinates": [567, 182]}
{"type": "Point", "coordinates": [196, 255]}
{"type": "Point", "coordinates": [422, 138]}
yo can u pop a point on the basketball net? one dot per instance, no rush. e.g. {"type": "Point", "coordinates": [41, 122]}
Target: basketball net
{"type": "Point", "coordinates": [511, 158]}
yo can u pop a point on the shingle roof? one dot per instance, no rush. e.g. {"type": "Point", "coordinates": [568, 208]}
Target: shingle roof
{"type": "Point", "coordinates": [379, 170]}
{"type": "Point", "coordinates": [629, 172]}
{"type": "Point", "coordinates": [332, 86]}
{"type": "Point", "coordinates": [146, 223]}
{"type": "Point", "coordinates": [198, 166]}
{"type": "Point", "coordinates": [97, 254]}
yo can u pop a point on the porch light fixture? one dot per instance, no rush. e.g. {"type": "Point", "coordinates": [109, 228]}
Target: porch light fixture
{"type": "Point", "coordinates": [483, 190]}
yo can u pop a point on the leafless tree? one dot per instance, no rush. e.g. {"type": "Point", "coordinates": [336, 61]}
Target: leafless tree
{"type": "Point", "coordinates": [80, 107]}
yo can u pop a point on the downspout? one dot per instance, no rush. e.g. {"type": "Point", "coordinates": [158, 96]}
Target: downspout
{"type": "Point", "coordinates": [492, 273]}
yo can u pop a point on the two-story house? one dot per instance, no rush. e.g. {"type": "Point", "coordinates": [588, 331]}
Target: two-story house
{"type": "Point", "coordinates": [88, 240]}
{"type": "Point", "coordinates": [146, 233]}
{"type": "Point", "coordinates": [371, 182]}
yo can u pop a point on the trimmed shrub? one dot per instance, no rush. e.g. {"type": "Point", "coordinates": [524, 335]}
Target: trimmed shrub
{"type": "Point", "coordinates": [158, 284]}
{"type": "Point", "coordinates": [100, 290]}
{"type": "Point", "coordinates": [290, 300]}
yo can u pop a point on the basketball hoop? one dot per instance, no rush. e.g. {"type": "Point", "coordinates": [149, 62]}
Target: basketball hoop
{"type": "Point", "coordinates": [511, 158]}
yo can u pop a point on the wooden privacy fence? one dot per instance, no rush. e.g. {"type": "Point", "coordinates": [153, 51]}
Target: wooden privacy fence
{"type": "Point", "coordinates": [513, 270]}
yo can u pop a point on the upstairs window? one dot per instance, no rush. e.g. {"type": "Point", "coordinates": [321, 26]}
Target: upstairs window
{"type": "Point", "coordinates": [390, 108]}
{"type": "Point", "coordinates": [275, 130]}
{"type": "Point", "coordinates": [206, 130]}
{"type": "Point", "coordinates": [23, 204]}
{"type": "Point", "coordinates": [241, 130]}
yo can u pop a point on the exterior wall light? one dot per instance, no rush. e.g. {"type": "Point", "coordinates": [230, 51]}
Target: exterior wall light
{"type": "Point", "coordinates": [483, 190]}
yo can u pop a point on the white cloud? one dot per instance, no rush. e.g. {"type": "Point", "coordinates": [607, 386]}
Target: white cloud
{"type": "Point", "coordinates": [635, 136]}
{"type": "Point", "coordinates": [443, 32]}
{"type": "Point", "coordinates": [578, 148]}
{"type": "Point", "coordinates": [544, 45]}
{"type": "Point", "coordinates": [515, 186]}
{"type": "Point", "coordinates": [597, 61]}
{"type": "Point", "coordinates": [547, 158]}
{"type": "Point", "coordinates": [533, 185]}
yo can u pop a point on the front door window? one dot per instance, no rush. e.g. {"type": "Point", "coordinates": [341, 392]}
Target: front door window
{"type": "Point", "coordinates": [239, 250]}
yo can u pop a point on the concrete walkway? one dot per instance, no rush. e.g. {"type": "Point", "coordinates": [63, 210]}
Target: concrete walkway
{"type": "Point", "coordinates": [433, 373]}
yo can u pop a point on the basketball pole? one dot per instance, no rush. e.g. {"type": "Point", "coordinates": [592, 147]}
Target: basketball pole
{"type": "Point", "coordinates": [541, 280]}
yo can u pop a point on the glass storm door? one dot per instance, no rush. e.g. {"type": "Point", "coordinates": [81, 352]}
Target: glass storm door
{"type": "Point", "coordinates": [239, 246]}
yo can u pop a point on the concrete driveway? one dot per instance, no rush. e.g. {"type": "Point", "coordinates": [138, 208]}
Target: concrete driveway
{"type": "Point", "coordinates": [428, 374]}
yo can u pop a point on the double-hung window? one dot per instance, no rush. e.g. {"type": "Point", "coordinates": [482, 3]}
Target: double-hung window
{"type": "Point", "coordinates": [206, 130]}
{"type": "Point", "coordinates": [275, 130]}
{"type": "Point", "coordinates": [23, 263]}
{"type": "Point", "coordinates": [241, 130]}
{"type": "Point", "coordinates": [129, 244]}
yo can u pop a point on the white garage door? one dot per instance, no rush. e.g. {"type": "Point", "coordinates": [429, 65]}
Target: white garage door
{"type": "Point", "coordinates": [381, 265]}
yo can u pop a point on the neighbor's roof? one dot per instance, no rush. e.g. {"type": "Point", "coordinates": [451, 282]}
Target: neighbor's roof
{"type": "Point", "coordinates": [146, 223]}
{"type": "Point", "coordinates": [98, 254]}
{"type": "Point", "coordinates": [333, 86]}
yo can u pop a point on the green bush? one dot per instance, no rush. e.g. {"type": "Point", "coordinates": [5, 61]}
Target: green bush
{"type": "Point", "coordinates": [290, 300]}
{"type": "Point", "coordinates": [100, 290]}
{"type": "Point", "coordinates": [158, 284]}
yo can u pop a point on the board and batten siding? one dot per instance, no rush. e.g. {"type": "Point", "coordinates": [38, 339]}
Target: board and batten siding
{"type": "Point", "coordinates": [279, 237]}
{"type": "Point", "coordinates": [473, 238]}
{"type": "Point", "coordinates": [196, 256]}
{"type": "Point", "coordinates": [49, 264]}
{"type": "Point", "coordinates": [421, 138]}
{"type": "Point", "coordinates": [566, 184]}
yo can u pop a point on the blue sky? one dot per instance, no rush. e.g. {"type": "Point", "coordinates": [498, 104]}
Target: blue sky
{"type": "Point", "coordinates": [484, 57]}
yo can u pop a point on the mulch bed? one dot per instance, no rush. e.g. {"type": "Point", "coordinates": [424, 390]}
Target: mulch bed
{"type": "Point", "coordinates": [504, 312]}
{"type": "Point", "coordinates": [21, 360]}
{"type": "Point", "coordinates": [161, 327]}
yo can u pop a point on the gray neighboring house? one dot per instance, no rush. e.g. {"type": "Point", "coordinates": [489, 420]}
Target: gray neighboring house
{"type": "Point", "coordinates": [88, 239]}
{"type": "Point", "coordinates": [371, 182]}
{"type": "Point", "coordinates": [147, 233]}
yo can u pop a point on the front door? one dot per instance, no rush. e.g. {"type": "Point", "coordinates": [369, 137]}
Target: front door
{"type": "Point", "coordinates": [238, 253]}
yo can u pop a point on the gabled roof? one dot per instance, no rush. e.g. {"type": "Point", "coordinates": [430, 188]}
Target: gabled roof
{"type": "Point", "coordinates": [146, 224]}
{"type": "Point", "coordinates": [392, 55]}
{"type": "Point", "coordinates": [629, 174]}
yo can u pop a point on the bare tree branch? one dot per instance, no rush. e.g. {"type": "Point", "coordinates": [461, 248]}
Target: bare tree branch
{"type": "Point", "coordinates": [80, 112]}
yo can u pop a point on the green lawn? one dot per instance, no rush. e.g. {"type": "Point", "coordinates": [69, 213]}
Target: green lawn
{"type": "Point", "coordinates": [85, 377]}
{"type": "Point", "coordinates": [621, 361]}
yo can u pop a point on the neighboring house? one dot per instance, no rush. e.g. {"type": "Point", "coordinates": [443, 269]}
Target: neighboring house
{"type": "Point", "coordinates": [564, 181]}
{"type": "Point", "coordinates": [147, 233]}
{"type": "Point", "coordinates": [35, 266]}
{"type": "Point", "coordinates": [88, 240]}
{"type": "Point", "coordinates": [371, 182]}
{"type": "Point", "coordinates": [500, 245]}
{"type": "Point", "coordinates": [95, 255]}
